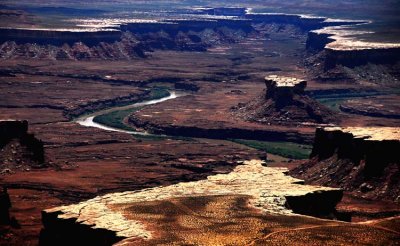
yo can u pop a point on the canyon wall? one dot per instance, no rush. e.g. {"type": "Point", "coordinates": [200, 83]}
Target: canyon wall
{"type": "Point", "coordinates": [58, 38]}
{"type": "Point", "coordinates": [376, 154]}
{"type": "Point", "coordinates": [358, 57]}
{"type": "Point", "coordinates": [10, 130]}
{"type": "Point", "coordinates": [173, 27]}
{"type": "Point", "coordinates": [351, 52]}
{"type": "Point", "coordinates": [365, 161]}
{"type": "Point", "coordinates": [219, 133]}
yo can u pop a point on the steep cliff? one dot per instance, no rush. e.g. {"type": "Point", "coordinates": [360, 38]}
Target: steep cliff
{"type": "Point", "coordinates": [19, 149]}
{"type": "Point", "coordinates": [58, 37]}
{"type": "Point", "coordinates": [358, 57]}
{"type": "Point", "coordinates": [364, 161]}
{"type": "Point", "coordinates": [132, 41]}
{"type": "Point", "coordinates": [344, 46]}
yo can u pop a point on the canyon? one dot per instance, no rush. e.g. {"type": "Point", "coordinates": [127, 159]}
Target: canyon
{"type": "Point", "coordinates": [196, 125]}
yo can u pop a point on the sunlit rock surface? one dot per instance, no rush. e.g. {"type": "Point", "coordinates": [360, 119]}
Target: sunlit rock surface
{"type": "Point", "coordinates": [280, 86]}
{"type": "Point", "coordinates": [267, 187]}
{"type": "Point", "coordinates": [348, 46]}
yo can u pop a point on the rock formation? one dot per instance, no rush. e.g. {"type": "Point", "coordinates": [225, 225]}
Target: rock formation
{"type": "Point", "coordinates": [58, 37]}
{"type": "Point", "coordinates": [271, 191]}
{"type": "Point", "coordinates": [19, 149]}
{"type": "Point", "coordinates": [284, 102]}
{"type": "Point", "coordinates": [129, 41]}
{"type": "Point", "coordinates": [362, 160]}
{"type": "Point", "coordinates": [342, 48]}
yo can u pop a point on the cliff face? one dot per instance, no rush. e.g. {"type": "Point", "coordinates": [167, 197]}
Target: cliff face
{"type": "Point", "coordinates": [12, 129]}
{"type": "Point", "coordinates": [305, 24]}
{"type": "Point", "coordinates": [132, 41]}
{"type": "Point", "coordinates": [173, 27]}
{"type": "Point", "coordinates": [353, 58]}
{"type": "Point", "coordinates": [342, 49]}
{"type": "Point", "coordinates": [318, 41]}
{"type": "Point", "coordinates": [19, 148]}
{"type": "Point", "coordinates": [365, 161]}
{"type": "Point", "coordinates": [58, 38]}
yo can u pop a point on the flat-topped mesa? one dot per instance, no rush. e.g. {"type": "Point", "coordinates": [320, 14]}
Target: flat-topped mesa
{"type": "Point", "coordinates": [350, 47]}
{"type": "Point", "coordinates": [363, 160]}
{"type": "Point", "coordinates": [279, 87]}
{"type": "Point", "coordinates": [284, 102]}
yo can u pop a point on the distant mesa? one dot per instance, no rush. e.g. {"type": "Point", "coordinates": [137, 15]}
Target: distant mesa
{"type": "Point", "coordinates": [284, 102]}
{"type": "Point", "coordinates": [343, 46]}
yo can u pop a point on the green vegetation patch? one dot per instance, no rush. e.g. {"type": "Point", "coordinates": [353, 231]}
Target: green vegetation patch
{"type": "Point", "coordinates": [159, 92]}
{"type": "Point", "coordinates": [332, 103]}
{"type": "Point", "coordinates": [116, 119]}
{"type": "Point", "coordinates": [286, 149]}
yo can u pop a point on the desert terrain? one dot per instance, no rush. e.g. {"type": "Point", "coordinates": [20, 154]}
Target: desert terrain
{"type": "Point", "coordinates": [181, 123]}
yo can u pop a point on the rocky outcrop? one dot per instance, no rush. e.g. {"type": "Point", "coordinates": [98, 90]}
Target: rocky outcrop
{"type": "Point", "coordinates": [11, 131]}
{"type": "Point", "coordinates": [365, 161]}
{"type": "Point", "coordinates": [318, 204]}
{"type": "Point", "coordinates": [110, 213]}
{"type": "Point", "coordinates": [284, 102]}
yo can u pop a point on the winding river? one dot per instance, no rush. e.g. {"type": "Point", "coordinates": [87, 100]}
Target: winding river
{"type": "Point", "coordinates": [87, 120]}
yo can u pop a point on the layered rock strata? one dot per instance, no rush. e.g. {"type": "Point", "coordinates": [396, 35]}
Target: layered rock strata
{"type": "Point", "coordinates": [128, 41]}
{"type": "Point", "coordinates": [58, 37]}
{"type": "Point", "coordinates": [362, 160]}
{"type": "Point", "coordinates": [342, 47]}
